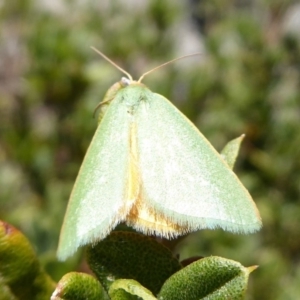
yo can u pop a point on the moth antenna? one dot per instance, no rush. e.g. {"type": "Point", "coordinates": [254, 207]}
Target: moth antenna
{"type": "Point", "coordinates": [166, 63]}
{"type": "Point", "coordinates": [113, 63]}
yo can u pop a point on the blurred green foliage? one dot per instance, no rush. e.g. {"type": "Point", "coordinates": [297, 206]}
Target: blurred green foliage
{"type": "Point", "coordinates": [246, 81]}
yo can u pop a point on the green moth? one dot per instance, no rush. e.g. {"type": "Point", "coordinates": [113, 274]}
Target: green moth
{"type": "Point", "coordinates": [150, 167]}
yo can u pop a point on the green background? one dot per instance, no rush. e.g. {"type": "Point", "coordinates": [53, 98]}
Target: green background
{"type": "Point", "coordinates": [246, 80]}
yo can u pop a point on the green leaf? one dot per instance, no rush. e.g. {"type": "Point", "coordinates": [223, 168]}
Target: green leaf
{"type": "Point", "coordinates": [210, 278]}
{"type": "Point", "coordinates": [123, 295]}
{"type": "Point", "coordinates": [129, 289]}
{"type": "Point", "coordinates": [78, 286]}
{"type": "Point", "coordinates": [129, 255]}
{"type": "Point", "coordinates": [231, 151]}
{"type": "Point", "coordinates": [20, 271]}
{"type": "Point", "coordinates": [5, 293]}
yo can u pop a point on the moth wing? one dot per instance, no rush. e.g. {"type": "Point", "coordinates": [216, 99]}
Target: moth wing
{"type": "Point", "coordinates": [96, 203]}
{"type": "Point", "coordinates": [183, 178]}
